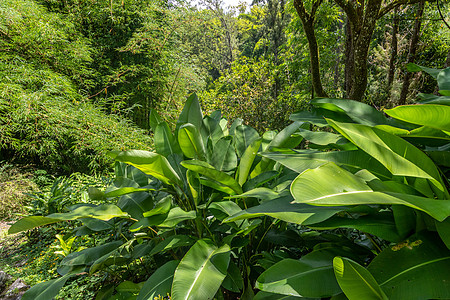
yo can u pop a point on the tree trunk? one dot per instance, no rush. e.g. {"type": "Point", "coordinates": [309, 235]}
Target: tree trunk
{"type": "Point", "coordinates": [308, 20]}
{"type": "Point", "coordinates": [394, 47]}
{"type": "Point", "coordinates": [412, 52]}
{"type": "Point", "coordinates": [337, 73]}
{"type": "Point", "coordinates": [362, 16]}
{"type": "Point", "coordinates": [349, 67]}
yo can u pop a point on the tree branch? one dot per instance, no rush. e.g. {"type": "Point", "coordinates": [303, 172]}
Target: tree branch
{"type": "Point", "coordinates": [349, 9]}
{"type": "Point", "coordinates": [393, 5]}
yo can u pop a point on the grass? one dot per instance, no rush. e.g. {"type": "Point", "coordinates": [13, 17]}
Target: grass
{"type": "Point", "coordinates": [31, 255]}
{"type": "Point", "coordinates": [14, 183]}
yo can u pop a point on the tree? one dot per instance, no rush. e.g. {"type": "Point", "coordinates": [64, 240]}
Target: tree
{"type": "Point", "coordinates": [362, 17]}
{"type": "Point", "coordinates": [412, 51]}
{"type": "Point", "coordinates": [308, 19]}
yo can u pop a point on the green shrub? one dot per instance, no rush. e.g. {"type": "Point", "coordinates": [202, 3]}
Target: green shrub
{"type": "Point", "coordinates": [361, 214]}
{"type": "Point", "coordinates": [14, 182]}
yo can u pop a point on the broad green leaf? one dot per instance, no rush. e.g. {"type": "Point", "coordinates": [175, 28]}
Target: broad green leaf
{"type": "Point", "coordinates": [88, 256]}
{"type": "Point", "coordinates": [194, 185]}
{"type": "Point", "coordinates": [102, 212]}
{"type": "Point", "coordinates": [135, 204]}
{"type": "Point", "coordinates": [191, 142]}
{"type": "Point", "coordinates": [310, 117]}
{"type": "Point", "coordinates": [175, 216]}
{"type": "Point", "coordinates": [284, 136]}
{"type": "Point", "coordinates": [155, 119]}
{"type": "Point", "coordinates": [260, 180]}
{"type": "Point", "coordinates": [129, 286]}
{"type": "Point", "coordinates": [162, 207]}
{"type": "Point", "coordinates": [97, 225]}
{"type": "Point", "coordinates": [416, 68]}
{"type": "Point", "coordinates": [443, 228]}
{"type": "Point", "coordinates": [126, 190]}
{"type": "Point", "coordinates": [201, 271]}
{"type": "Point", "coordinates": [233, 281]}
{"type": "Point", "coordinates": [356, 281]}
{"type": "Point", "coordinates": [310, 276]}
{"type": "Point", "coordinates": [209, 171]}
{"type": "Point", "coordinates": [432, 115]}
{"type": "Point", "coordinates": [381, 225]}
{"type": "Point", "coordinates": [224, 156]}
{"type": "Point", "coordinates": [247, 159]}
{"type": "Point", "coordinates": [330, 185]}
{"type": "Point", "coordinates": [150, 163]}
{"type": "Point", "coordinates": [244, 137]}
{"type": "Point", "coordinates": [283, 209]}
{"type": "Point", "coordinates": [216, 185]}
{"type": "Point", "coordinates": [304, 160]}
{"type": "Point", "coordinates": [279, 140]}
{"type": "Point", "coordinates": [235, 124]}
{"type": "Point", "coordinates": [48, 289]}
{"type": "Point", "coordinates": [321, 137]}
{"type": "Point", "coordinates": [211, 130]}
{"type": "Point", "coordinates": [191, 113]}
{"type": "Point", "coordinates": [172, 242]}
{"type": "Point", "coordinates": [165, 142]}
{"type": "Point", "coordinates": [405, 220]}
{"type": "Point", "coordinates": [443, 80]}
{"type": "Point", "coordinates": [272, 296]}
{"type": "Point", "coordinates": [224, 209]}
{"type": "Point", "coordinates": [227, 208]}
{"type": "Point", "coordinates": [262, 193]}
{"type": "Point", "coordinates": [159, 283]}
{"type": "Point", "coordinates": [441, 158]}
{"type": "Point", "coordinates": [358, 111]}
{"type": "Point", "coordinates": [414, 269]}
{"type": "Point", "coordinates": [216, 115]}
{"type": "Point", "coordinates": [397, 155]}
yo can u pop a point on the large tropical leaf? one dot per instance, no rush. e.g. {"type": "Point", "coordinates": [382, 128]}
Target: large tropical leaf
{"type": "Point", "coordinates": [330, 185]}
{"type": "Point", "coordinates": [416, 68]}
{"type": "Point", "coordinates": [172, 242]}
{"type": "Point", "coordinates": [201, 271]}
{"type": "Point", "coordinates": [310, 276]}
{"type": "Point", "coordinates": [102, 212]}
{"type": "Point", "coordinates": [381, 225]}
{"type": "Point", "coordinates": [191, 142]}
{"type": "Point", "coordinates": [48, 289]}
{"type": "Point", "coordinates": [304, 160]}
{"type": "Point", "coordinates": [282, 139]}
{"type": "Point", "coordinates": [283, 209]}
{"type": "Point", "coordinates": [244, 136]}
{"type": "Point", "coordinates": [170, 219]}
{"type": "Point", "coordinates": [191, 113]}
{"type": "Point", "coordinates": [135, 204]}
{"type": "Point", "coordinates": [209, 171]}
{"type": "Point", "coordinates": [150, 163]}
{"type": "Point", "coordinates": [247, 159]}
{"type": "Point", "coordinates": [165, 142]}
{"type": "Point", "coordinates": [415, 269]}
{"type": "Point", "coordinates": [398, 156]}
{"type": "Point", "coordinates": [224, 156]}
{"type": "Point", "coordinates": [211, 130]}
{"type": "Point", "coordinates": [432, 115]}
{"type": "Point", "coordinates": [159, 283]}
{"type": "Point", "coordinates": [273, 296]}
{"type": "Point", "coordinates": [356, 281]}
{"type": "Point", "coordinates": [357, 111]}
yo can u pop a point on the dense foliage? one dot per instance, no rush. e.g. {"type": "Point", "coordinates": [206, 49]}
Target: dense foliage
{"type": "Point", "coordinates": [360, 208]}
{"type": "Point", "coordinates": [303, 195]}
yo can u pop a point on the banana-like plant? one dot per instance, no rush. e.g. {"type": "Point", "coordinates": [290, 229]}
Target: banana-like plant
{"type": "Point", "coordinates": [391, 172]}
{"type": "Point", "coordinates": [170, 205]}
{"type": "Point", "coordinates": [218, 213]}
